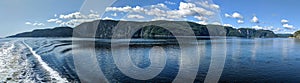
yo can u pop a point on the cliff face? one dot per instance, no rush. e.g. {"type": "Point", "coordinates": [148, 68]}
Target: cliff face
{"type": "Point", "coordinates": [252, 33]}
{"type": "Point", "coordinates": [158, 29]}
{"type": "Point", "coordinates": [297, 34]}
{"type": "Point", "coordinates": [106, 29]}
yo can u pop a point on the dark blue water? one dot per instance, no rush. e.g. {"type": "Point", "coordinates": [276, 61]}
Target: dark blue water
{"type": "Point", "coordinates": [247, 60]}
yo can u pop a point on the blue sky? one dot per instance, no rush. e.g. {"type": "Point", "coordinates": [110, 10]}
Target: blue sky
{"type": "Point", "coordinates": [25, 15]}
{"type": "Point", "coordinates": [269, 12]}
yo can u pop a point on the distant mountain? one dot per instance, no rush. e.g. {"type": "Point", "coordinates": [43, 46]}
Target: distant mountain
{"type": "Point", "coordinates": [154, 29]}
{"type": "Point", "coordinates": [55, 32]}
{"type": "Point", "coordinates": [284, 35]}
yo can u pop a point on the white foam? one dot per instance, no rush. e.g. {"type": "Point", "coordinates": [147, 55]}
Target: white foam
{"type": "Point", "coordinates": [54, 74]}
{"type": "Point", "coordinates": [11, 64]}
{"type": "Point", "coordinates": [5, 61]}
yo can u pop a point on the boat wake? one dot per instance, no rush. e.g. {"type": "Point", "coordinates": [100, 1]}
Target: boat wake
{"type": "Point", "coordinates": [20, 63]}
{"type": "Point", "coordinates": [54, 75]}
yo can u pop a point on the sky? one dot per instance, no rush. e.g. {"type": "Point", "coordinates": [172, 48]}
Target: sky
{"type": "Point", "coordinates": [280, 16]}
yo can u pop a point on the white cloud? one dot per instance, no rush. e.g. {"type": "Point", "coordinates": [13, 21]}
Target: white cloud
{"type": "Point", "coordinates": [276, 30]}
{"type": "Point", "coordinates": [284, 21]}
{"type": "Point", "coordinates": [237, 15]}
{"type": "Point", "coordinates": [93, 16]}
{"type": "Point", "coordinates": [203, 11]}
{"type": "Point", "coordinates": [208, 5]}
{"type": "Point", "coordinates": [184, 5]}
{"type": "Point", "coordinates": [257, 27]}
{"type": "Point", "coordinates": [160, 5]}
{"type": "Point", "coordinates": [240, 21]}
{"type": "Point", "coordinates": [216, 23]}
{"type": "Point", "coordinates": [227, 15]}
{"type": "Point", "coordinates": [215, 6]}
{"type": "Point", "coordinates": [135, 16]}
{"type": "Point", "coordinates": [65, 24]}
{"type": "Point", "coordinates": [75, 15]}
{"type": "Point", "coordinates": [285, 24]}
{"type": "Point", "coordinates": [78, 15]}
{"type": "Point", "coordinates": [126, 9]}
{"type": "Point", "coordinates": [35, 24]}
{"type": "Point", "coordinates": [107, 18]}
{"type": "Point", "coordinates": [74, 22]}
{"type": "Point", "coordinates": [28, 23]}
{"type": "Point", "coordinates": [58, 21]}
{"type": "Point", "coordinates": [228, 25]}
{"type": "Point", "coordinates": [288, 26]}
{"type": "Point", "coordinates": [74, 19]}
{"type": "Point", "coordinates": [114, 14]}
{"type": "Point", "coordinates": [202, 22]}
{"type": "Point", "coordinates": [169, 2]}
{"type": "Point", "coordinates": [161, 18]}
{"type": "Point", "coordinates": [52, 20]}
{"type": "Point", "coordinates": [38, 24]}
{"type": "Point", "coordinates": [201, 18]}
{"type": "Point", "coordinates": [255, 19]}
{"type": "Point", "coordinates": [193, 8]}
{"type": "Point", "coordinates": [156, 12]}
{"type": "Point", "coordinates": [188, 9]}
{"type": "Point", "coordinates": [162, 11]}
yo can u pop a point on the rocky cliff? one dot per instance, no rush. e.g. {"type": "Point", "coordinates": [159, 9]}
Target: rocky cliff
{"type": "Point", "coordinates": [107, 29]}
{"type": "Point", "coordinates": [158, 29]}
{"type": "Point", "coordinates": [297, 34]}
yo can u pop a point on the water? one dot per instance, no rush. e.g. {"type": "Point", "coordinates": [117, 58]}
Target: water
{"type": "Point", "coordinates": [247, 60]}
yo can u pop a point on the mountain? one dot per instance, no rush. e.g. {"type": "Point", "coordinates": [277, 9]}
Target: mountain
{"type": "Point", "coordinates": [251, 33]}
{"type": "Point", "coordinates": [55, 32]}
{"type": "Point", "coordinates": [154, 29]}
{"type": "Point", "coordinates": [284, 35]}
{"type": "Point", "coordinates": [158, 29]}
{"type": "Point", "coordinates": [297, 34]}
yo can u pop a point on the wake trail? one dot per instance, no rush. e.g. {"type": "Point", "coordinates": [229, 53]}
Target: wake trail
{"type": "Point", "coordinates": [12, 65]}
{"type": "Point", "coordinates": [53, 74]}
{"type": "Point", "coordinates": [6, 58]}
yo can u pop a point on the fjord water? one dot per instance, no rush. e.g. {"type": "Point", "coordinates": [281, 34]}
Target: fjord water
{"type": "Point", "coordinates": [51, 60]}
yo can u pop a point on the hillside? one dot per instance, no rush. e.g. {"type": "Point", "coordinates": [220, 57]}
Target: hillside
{"type": "Point", "coordinates": [154, 29]}
{"type": "Point", "coordinates": [297, 34]}
{"type": "Point", "coordinates": [55, 32]}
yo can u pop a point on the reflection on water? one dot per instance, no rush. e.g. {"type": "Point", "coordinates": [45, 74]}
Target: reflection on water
{"type": "Point", "coordinates": [254, 60]}
{"type": "Point", "coordinates": [261, 60]}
